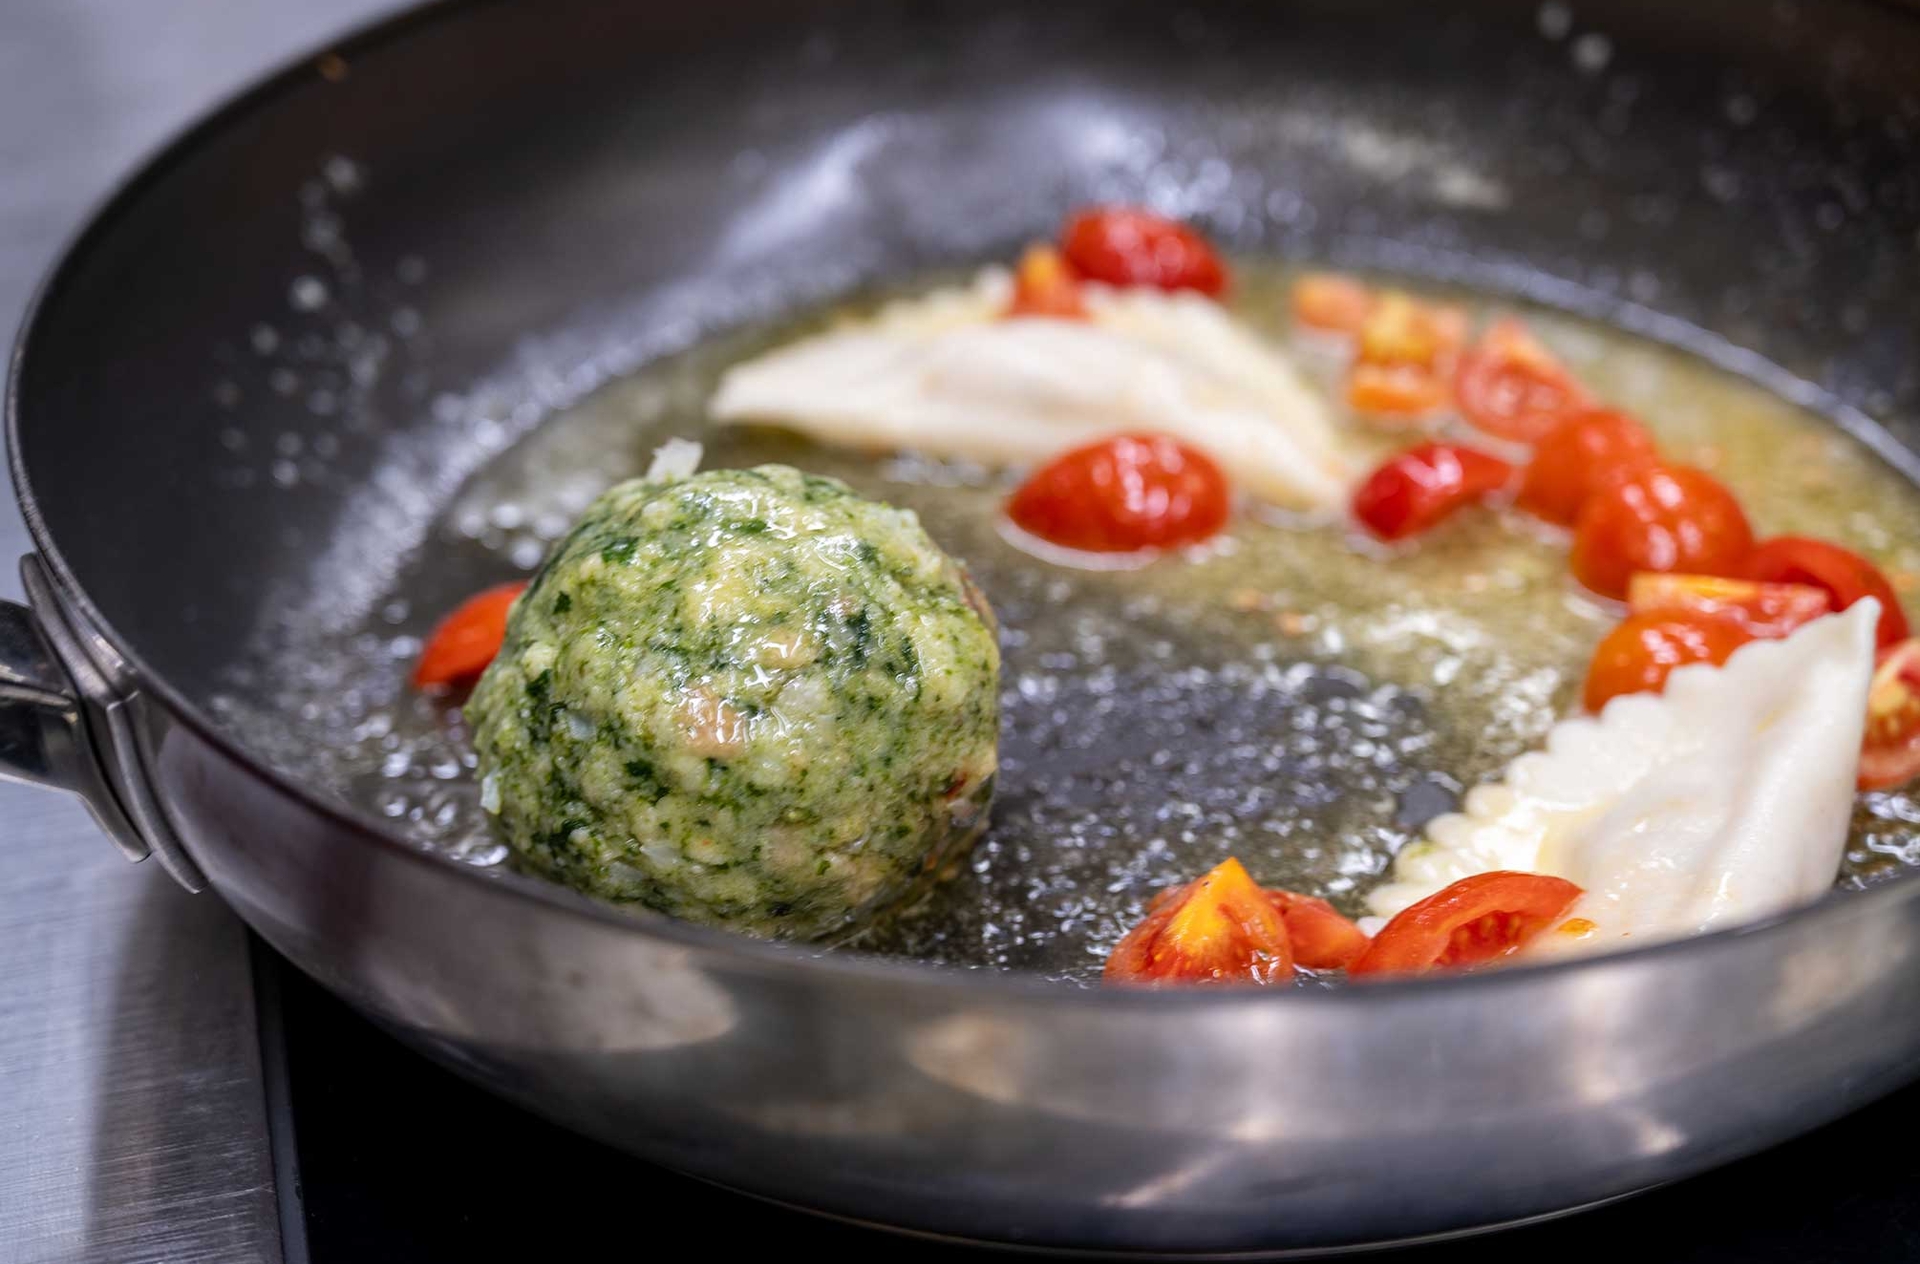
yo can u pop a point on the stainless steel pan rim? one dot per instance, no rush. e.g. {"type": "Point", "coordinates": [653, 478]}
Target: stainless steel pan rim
{"type": "Point", "coordinates": [763, 957]}
{"type": "Point", "coordinates": [1303, 1253]}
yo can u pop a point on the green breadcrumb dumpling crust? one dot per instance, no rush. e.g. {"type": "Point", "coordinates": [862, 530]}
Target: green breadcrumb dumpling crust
{"type": "Point", "coordinates": [748, 698]}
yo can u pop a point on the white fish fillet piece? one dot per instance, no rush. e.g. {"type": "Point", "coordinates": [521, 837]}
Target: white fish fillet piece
{"type": "Point", "coordinates": [945, 375]}
{"type": "Point", "coordinates": [1720, 800]}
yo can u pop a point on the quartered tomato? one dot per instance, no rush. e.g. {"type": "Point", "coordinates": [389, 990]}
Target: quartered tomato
{"type": "Point", "coordinates": [1401, 329]}
{"type": "Point", "coordinates": [1404, 364]}
{"type": "Point", "coordinates": [1474, 921]}
{"type": "Point", "coordinates": [1511, 386]}
{"type": "Point", "coordinates": [1847, 577]}
{"type": "Point", "coordinates": [1322, 939]}
{"type": "Point", "coordinates": [1760, 610]}
{"type": "Point", "coordinates": [1396, 391]}
{"type": "Point", "coordinates": [1124, 494]}
{"type": "Point", "coordinates": [1123, 245]}
{"type": "Point", "coordinates": [1043, 285]}
{"type": "Point", "coordinates": [1639, 655]}
{"type": "Point", "coordinates": [1658, 518]}
{"type": "Point", "coordinates": [1416, 489]}
{"type": "Point", "coordinates": [1331, 303]}
{"type": "Point", "coordinates": [1219, 928]}
{"type": "Point", "coordinates": [465, 641]}
{"type": "Point", "coordinates": [1890, 752]}
{"type": "Point", "coordinates": [1576, 457]}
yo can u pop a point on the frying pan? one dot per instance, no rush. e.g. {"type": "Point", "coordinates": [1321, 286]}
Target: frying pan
{"type": "Point", "coordinates": [550, 195]}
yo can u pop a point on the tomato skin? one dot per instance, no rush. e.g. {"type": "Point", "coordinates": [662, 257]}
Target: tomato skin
{"type": "Point", "coordinates": [1760, 610]}
{"type": "Point", "coordinates": [1847, 577]}
{"type": "Point", "coordinates": [1577, 457]}
{"type": "Point", "coordinates": [465, 641]}
{"type": "Point", "coordinates": [1411, 492]}
{"type": "Point", "coordinates": [1322, 939]}
{"type": "Point", "coordinates": [1044, 286]}
{"type": "Point", "coordinates": [1123, 245]}
{"type": "Point", "coordinates": [1219, 928]}
{"type": "Point", "coordinates": [1331, 303]}
{"type": "Point", "coordinates": [1639, 654]}
{"type": "Point", "coordinates": [1474, 921]}
{"type": "Point", "coordinates": [1658, 518]}
{"type": "Point", "coordinates": [1890, 747]}
{"type": "Point", "coordinates": [1124, 494]}
{"type": "Point", "coordinates": [1511, 386]}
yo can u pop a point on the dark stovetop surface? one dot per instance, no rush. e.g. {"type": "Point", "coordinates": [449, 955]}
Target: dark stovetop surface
{"type": "Point", "coordinates": [397, 1160]}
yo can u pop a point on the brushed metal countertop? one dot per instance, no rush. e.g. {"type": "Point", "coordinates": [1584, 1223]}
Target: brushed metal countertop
{"type": "Point", "coordinates": [132, 1123]}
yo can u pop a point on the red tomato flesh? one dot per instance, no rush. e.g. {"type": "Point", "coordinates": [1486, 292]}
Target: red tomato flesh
{"type": "Point", "coordinates": [465, 641]}
{"type": "Point", "coordinates": [1890, 751]}
{"type": "Point", "coordinates": [1511, 386]}
{"type": "Point", "coordinates": [1124, 494]}
{"type": "Point", "coordinates": [1847, 577]}
{"type": "Point", "coordinates": [1639, 655]}
{"type": "Point", "coordinates": [1577, 457]}
{"type": "Point", "coordinates": [1124, 245]}
{"type": "Point", "coordinates": [1760, 610]}
{"type": "Point", "coordinates": [1416, 489]}
{"type": "Point", "coordinates": [1331, 303]}
{"type": "Point", "coordinates": [1474, 921]}
{"type": "Point", "coordinates": [1044, 286]}
{"type": "Point", "coordinates": [1219, 928]}
{"type": "Point", "coordinates": [1658, 518]}
{"type": "Point", "coordinates": [1322, 939]}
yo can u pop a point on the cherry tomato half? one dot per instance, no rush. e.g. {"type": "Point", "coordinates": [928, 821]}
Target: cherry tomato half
{"type": "Point", "coordinates": [1123, 245]}
{"type": "Point", "coordinates": [1577, 456]}
{"type": "Point", "coordinates": [1847, 577]}
{"type": "Point", "coordinates": [1639, 655]}
{"type": "Point", "coordinates": [1124, 494]}
{"type": "Point", "coordinates": [1511, 386]}
{"type": "Point", "coordinates": [1219, 928]}
{"type": "Point", "coordinates": [464, 642]}
{"type": "Point", "coordinates": [1416, 489]}
{"type": "Point", "coordinates": [1043, 285]}
{"type": "Point", "coordinates": [1890, 751]}
{"type": "Point", "coordinates": [1331, 303]}
{"type": "Point", "coordinates": [1658, 518]}
{"type": "Point", "coordinates": [1474, 921]}
{"type": "Point", "coordinates": [1322, 939]}
{"type": "Point", "coordinates": [1760, 610]}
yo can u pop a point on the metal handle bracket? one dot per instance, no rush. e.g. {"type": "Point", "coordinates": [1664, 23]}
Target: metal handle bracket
{"type": "Point", "coordinates": [68, 706]}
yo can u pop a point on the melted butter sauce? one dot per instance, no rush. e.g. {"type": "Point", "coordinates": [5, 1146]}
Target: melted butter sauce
{"type": "Point", "coordinates": [1288, 694]}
